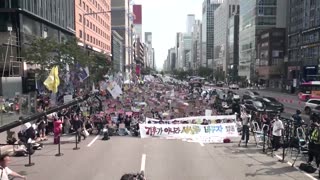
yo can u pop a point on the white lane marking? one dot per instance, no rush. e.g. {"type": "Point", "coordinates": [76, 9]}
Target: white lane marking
{"type": "Point", "coordinates": [201, 143]}
{"type": "Point", "coordinates": [143, 162]}
{"type": "Point", "coordinates": [290, 164]}
{"type": "Point", "coordinates": [93, 140]}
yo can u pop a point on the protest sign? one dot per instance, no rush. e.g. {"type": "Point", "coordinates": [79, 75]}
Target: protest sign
{"type": "Point", "coordinates": [189, 131]}
{"type": "Point", "coordinates": [197, 119]}
{"type": "Point", "coordinates": [208, 112]}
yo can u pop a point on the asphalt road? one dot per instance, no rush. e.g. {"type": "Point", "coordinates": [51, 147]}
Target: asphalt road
{"type": "Point", "coordinates": [291, 102]}
{"type": "Point", "coordinates": [160, 158]}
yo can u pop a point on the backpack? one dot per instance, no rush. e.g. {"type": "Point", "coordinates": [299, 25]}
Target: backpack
{"type": "Point", "coordinates": [307, 168]}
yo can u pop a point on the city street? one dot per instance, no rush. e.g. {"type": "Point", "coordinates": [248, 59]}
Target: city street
{"type": "Point", "coordinates": [160, 158]}
{"type": "Point", "coordinates": [291, 102]}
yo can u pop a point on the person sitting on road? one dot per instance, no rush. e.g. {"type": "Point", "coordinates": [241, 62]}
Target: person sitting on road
{"type": "Point", "coordinates": [5, 172]}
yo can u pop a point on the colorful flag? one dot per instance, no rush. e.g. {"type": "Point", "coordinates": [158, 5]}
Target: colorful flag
{"type": "Point", "coordinates": [52, 82]}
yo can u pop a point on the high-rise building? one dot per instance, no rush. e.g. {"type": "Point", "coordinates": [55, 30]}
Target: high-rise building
{"type": "Point", "coordinates": [221, 22]}
{"type": "Point", "coordinates": [178, 47]}
{"type": "Point", "coordinates": [303, 41]}
{"type": "Point", "coordinates": [196, 45]}
{"type": "Point", "coordinates": [137, 21]}
{"type": "Point", "coordinates": [93, 24]}
{"type": "Point", "coordinates": [255, 17]}
{"type": "Point", "coordinates": [148, 41]}
{"type": "Point", "coordinates": [117, 54]}
{"type": "Point", "coordinates": [271, 46]}
{"type": "Point", "coordinates": [190, 22]}
{"type": "Point", "coordinates": [121, 22]}
{"type": "Point", "coordinates": [23, 21]}
{"type": "Point", "coordinates": [208, 8]}
{"type": "Point", "coordinates": [233, 47]}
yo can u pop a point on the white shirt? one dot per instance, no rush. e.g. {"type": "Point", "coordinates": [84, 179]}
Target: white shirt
{"type": "Point", "coordinates": [277, 126]}
{"type": "Point", "coordinates": [4, 173]}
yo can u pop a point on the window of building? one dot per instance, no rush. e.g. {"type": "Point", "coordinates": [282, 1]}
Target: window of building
{"type": "Point", "coordinates": [84, 5]}
{"type": "Point", "coordinates": [88, 37]}
{"type": "Point", "coordinates": [87, 8]}
{"type": "Point", "coordinates": [94, 40]}
{"type": "Point", "coordinates": [80, 18]}
{"type": "Point", "coordinates": [94, 27]}
{"type": "Point", "coordinates": [84, 35]}
{"type": "Point", "coordinates": [91, 39]}
{"type": "Point", "coordinates": [90, 10]}
{"type": "Point", "coordinates": [80, 33]}
{"type": "Point", "coordinates": [80, 3]}
{"type": "Point", "coordinates": [90, 25]}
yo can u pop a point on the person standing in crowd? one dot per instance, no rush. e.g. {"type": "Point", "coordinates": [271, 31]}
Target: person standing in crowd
{"type": "Point", "coordinates": [245, 121]}
{"type": "Point", "coordinates": [314, 144]}
{"type": "Point", "coordinates": [5, 171]}
{"type": "Point", "coordinates": [78, 126]}
{"type": "Point", "coordinates": [57, 129]}
{"type": "Point", "coordinates": [277, 133]}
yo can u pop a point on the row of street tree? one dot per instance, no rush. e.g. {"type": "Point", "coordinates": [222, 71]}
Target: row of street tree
{"type": "Point", "coordinates": [45, 53]}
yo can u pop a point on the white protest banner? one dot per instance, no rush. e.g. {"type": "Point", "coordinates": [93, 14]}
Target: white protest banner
{"type": "Point", "coordinates": [67, 98]}
{"type": "Point", "coordinates": [196, 119]}
{"type": "Point", "coordinates": [191, 131]}
{"type": "Point", "coordinates": [114, 89]}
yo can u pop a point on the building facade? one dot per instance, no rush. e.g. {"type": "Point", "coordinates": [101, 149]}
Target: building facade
{"type": "Point", "coordinates": [196, 45]}
{"type": "Point", "coordinates": [303, 41]}
{"type": "Point", "coordinates": [94, 30]}
{"type": "Point", "coordinates": [117, 54]}
{"type": "Point", "coordinates": [190, 22]}
{"type": "Point", "coordinates": [255, 17]}
{"type": "Point", "coordinates": [137, 20]}
{"type": "Point", "coordinates": [208, 8]}
{"type": "Point", "coordinates": [121, 22]}
{"type": "Point", "coordinates": [150, 58]}
{"type": "Point", "coordinates": [222, 15]}
{"type": "Point", "coordinates": [233, 47]}
{"type": "Point", "coordinates": [23, 21]}
{"type": "Point", "coordinates": [271, 47]}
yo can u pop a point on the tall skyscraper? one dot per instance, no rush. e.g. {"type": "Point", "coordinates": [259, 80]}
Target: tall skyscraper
{"type": "Point", "coordinates": [120, 14]}
{"type": "Point", "coordinates": [190, 22]}
{"type": "Point", "coordinates": [97, 31]}
{"type": "Point", "coordinates": [137, 21]}
{"type": "Point", "coordinates": [196, 45]}
{"type": "Point", "coordinates": [255, 17]}
{"type": "Point", "coordinates": [148, 41]}
{"type": "Point", "coordinates": [208, 8]}
{"type": "Point", "coordinates": [222, 15]}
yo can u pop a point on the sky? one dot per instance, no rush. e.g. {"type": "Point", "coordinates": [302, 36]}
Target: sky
{"type": "Point", "coordinates": [164, 18]}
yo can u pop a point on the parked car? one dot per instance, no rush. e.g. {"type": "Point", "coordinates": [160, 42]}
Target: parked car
{"type": "Point", "coordinates": [234, 86]}
{"type": "Point", "coordinates": [310, 105]}
{"type": "Point", "coordinates": [254, 105]}
{"type": "Point", "coordinates": [271, 104]}
{"type": "Point", "coordinates": [220, 84]}
{"type": "Point", "coordinates": [249, 95]}
{"type": "Point", "coordinates": [316, 110]}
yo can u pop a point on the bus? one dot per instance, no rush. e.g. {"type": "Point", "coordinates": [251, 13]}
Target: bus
{"type": "Point", "coordinates": [309, 90]}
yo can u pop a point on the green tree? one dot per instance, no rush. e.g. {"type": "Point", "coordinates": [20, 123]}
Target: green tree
{"type": "Point", "coordinates": [205, 72]}
{"type": "Point", "coordinates": [99, 66]}
{"type": "Point", "coordinates": [41, 52]}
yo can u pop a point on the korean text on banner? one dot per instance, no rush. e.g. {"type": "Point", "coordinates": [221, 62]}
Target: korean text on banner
{"type": "Point", "coordinates": [180, 131]}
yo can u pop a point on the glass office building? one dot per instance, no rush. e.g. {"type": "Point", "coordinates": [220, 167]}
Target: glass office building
{"type": "Point", "coordinates": [304, 40]}
{"type": "Point", "coordinates": [255, 17]}
{"type": "Point", "coordinates": [23, 20]}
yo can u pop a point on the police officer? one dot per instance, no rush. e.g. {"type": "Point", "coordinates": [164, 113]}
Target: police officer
{"type": "Point", "coordinates": [314, 144]}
